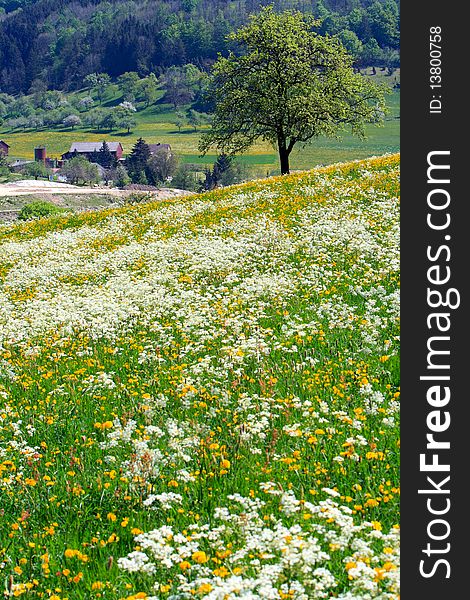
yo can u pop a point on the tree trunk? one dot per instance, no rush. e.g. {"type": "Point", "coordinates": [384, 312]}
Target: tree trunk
{"type": "Point", "coordinates": [284, 159]}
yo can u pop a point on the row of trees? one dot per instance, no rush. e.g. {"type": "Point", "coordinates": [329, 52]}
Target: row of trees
{"type": "Point", "coordinates": [144, 167]}
{"type": "Point", "coordinates": [141, 166]}
{"type": "Point", "coordinates": [131, 85]}
{"type": "Point", "coordinates": [60, 42]}
{"type": "Point", "coordinates": [186, 176]}
{"type": "Point", "coordinates": [100, 120]}
{"type": "Point", "coordinates": [52, 108]}
{"type": "Point", "coordinates": [181, 84]}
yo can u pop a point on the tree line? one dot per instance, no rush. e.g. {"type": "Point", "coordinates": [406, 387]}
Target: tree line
{"type": "Point", "coordinates": [106, 106]}
{"type": "Point", "coordinates": [58, 42]}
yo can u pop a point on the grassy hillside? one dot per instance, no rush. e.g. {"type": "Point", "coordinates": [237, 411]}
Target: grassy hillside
{"type": "Point", "coordinates": [157, 124]}
{"type": "Point", "coordinates": [199, 398]}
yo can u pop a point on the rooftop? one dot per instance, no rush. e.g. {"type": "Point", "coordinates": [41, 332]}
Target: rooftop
{"type": "Point", "coordinates": [155, 147]}
{"type": "Point", "coordinates": [93, 146]}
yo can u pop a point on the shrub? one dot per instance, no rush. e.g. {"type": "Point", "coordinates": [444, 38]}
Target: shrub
{"type": "Point", "coordinates": [121, 178]}
{"type": "Point", "coordinates": [35, 169]}
{"type": "Point", "coordinates": [4, 170]}
{"type": "Point", "coordinates": [161, 165]}
{"type": "Point", "coordinates": [38, 209]}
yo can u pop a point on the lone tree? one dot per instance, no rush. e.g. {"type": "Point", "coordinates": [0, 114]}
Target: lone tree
{"type": "Point", "coordinates": [127, 123]}
{"type": "Point", "coordinates": [72, 121]}
{"type": "Point", "coordinates": [180, 119]}
{"type": "Point", "coordinates": [79, 169]}
{"type": "Point", "coordinates": [161, 165]}
{"type": "Point", "coordinates": [99, 82]}
{"type": "Point", "coordinates": [35, 169]}
{"type": "Point", "coordinates": [288, 86]}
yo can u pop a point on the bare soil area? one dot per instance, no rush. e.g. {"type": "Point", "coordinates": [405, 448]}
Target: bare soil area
{"type": "Point", "coordinates": [14, 195]}
{"type": "Point", "coordinates": [29, 187]}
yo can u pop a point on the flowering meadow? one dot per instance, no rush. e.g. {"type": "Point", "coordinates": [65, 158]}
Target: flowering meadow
{"type": "Point", "coordinates": [199, 397]}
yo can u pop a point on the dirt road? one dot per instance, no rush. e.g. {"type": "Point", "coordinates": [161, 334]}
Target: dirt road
{"type": "Point", "coordinates": [30, 187]}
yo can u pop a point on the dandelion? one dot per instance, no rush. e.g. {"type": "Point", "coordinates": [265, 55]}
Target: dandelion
{"type": "Point", "coordinates": [200, 557]}
{"type": "Point", "coordinates": [97, 585]}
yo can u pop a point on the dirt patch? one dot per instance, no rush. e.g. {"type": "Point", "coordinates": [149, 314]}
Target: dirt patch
{"type": "Point", "coordinates": [13, 196]}
{"type": "Point", "coordinates": [8, 216]}
{"type": "Point", "coordinates": [27, 187]}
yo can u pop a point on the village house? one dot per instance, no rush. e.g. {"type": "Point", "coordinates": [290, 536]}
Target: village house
{"type": "Point", "coordinates": [86, 149]}
{"type": "Point", "coordinates": [4, 148]}
{"type": "Point", "coordinates": [157, 147]}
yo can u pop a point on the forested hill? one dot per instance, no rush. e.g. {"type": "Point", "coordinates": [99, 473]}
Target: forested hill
{"type": "Point", "coordinates": [58, 42]}
{"type": "Point", "coordinates": [8, 6]}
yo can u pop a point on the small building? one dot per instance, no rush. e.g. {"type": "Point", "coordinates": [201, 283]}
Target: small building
{"type": "Point", "coordinates": [87, 149]}
{"type": "Point", "coordinates": [40, 154]}
{"type": "Point", "coordinates": [4, 148]}
{"type": "Point", "coordinates": [157, 147]}
{"type": "Point", "coordinates": [18, 165]}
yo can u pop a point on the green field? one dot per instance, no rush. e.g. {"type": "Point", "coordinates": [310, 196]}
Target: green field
{"type": "Point", "coordinates": [199, 398]}
{"type": "Point", "coordinates": [156, 124]}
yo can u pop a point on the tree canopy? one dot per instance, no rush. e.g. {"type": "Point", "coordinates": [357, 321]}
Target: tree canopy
{"type": "Point", "coordinates": [35, 169]}
{"type": "Point", "coordinates": [287, 85]}
{"type": "Point", "coordinates": [58, 43]}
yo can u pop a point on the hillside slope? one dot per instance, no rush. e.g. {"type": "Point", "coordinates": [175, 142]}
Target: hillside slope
{"type": "Point", "coordinates": [201, 396]}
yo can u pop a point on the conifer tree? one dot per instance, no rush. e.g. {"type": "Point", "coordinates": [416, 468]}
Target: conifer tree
{"type": "Point", "coordinates": [106, 159]}
{"type": "Point", "coordinates": [137, 161]}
